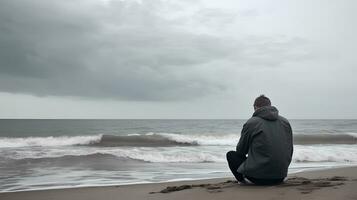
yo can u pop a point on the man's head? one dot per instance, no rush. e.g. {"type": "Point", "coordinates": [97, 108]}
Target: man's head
{"type": "Point", "coordinates": [261, 101]}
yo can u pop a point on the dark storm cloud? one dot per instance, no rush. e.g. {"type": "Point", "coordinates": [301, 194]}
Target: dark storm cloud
{"type": "Point", "coordinates": [122, 50]}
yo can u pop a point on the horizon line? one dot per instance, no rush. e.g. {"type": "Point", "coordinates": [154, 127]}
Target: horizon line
{"type": "Point", "coordinates": [166, 118]}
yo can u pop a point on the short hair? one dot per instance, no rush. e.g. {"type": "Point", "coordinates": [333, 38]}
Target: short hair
{"type": "Point", "coordinates": [262, 101]}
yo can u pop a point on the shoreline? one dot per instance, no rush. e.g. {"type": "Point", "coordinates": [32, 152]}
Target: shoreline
{"type": "Point", "coordinates": [314, 183]}
{"type": "Point", "coordinates": [172, 180]}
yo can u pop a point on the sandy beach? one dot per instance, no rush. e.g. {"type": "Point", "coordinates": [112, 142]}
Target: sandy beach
{"type": "Point", "coordinates": [337, 183]}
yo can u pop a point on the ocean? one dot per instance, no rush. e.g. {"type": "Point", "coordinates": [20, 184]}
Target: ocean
{"type": "Point", "coordinates": [43, 154]}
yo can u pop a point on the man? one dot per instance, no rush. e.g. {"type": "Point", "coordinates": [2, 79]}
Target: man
{"type": "Point", "coordinates": [267, 139]}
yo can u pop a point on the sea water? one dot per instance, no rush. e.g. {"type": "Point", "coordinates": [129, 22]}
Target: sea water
{"type": "Point", "coordinates": [43, 154]}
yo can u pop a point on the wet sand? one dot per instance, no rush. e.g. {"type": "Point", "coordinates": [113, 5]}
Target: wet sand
{"type": "Point", "coordinates": [338, 183]}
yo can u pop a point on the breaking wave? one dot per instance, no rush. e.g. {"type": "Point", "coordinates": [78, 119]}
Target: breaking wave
{"type": "Point", "coordinates": [164, 140]}
{"type": "Point", "coordinates": [73, 159]}
{"type": "Point", "coordinates": [49, 141]}
{"type": "Point", "coordinates": [124, 156]}
{"type": "Point", "coordinates": [133, 155]}
{"type": "Point", "coordinates": [328, 153]}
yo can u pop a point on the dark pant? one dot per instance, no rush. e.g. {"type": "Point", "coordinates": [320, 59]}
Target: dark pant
{"type": "Point", "coordinates": [235, 160]}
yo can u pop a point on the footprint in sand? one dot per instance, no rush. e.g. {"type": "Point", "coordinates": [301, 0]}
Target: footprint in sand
{"type": "Point", "coordinates": [213, 188]}
{"type": "Point", "coordinates": [305, 185]}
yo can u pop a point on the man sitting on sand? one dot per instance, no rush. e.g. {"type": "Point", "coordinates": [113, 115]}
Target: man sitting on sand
{"type": "Point", "coordinates": [267, 139]}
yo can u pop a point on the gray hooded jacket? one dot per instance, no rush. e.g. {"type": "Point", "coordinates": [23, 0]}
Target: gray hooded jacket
{"type": "Point", "coordinates": [267, 139]}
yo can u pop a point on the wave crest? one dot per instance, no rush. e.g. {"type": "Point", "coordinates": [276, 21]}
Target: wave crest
{"type": "Point", "coordinates": [49, 141]}
{"type": "Point", "coordinates": [148, 140]}
{"type": "Point", "coordinates": [164, 140]}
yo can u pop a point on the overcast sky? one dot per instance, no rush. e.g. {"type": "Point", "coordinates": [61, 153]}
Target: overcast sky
{"type": "Point", "coordinates": [177, 59]}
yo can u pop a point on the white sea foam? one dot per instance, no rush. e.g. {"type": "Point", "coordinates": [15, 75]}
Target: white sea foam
{"type": "Point", "coordinates": [165, 155]}
{"type": "Point", "coordinates": [165, 139]}
{"type": "Point", "coordinates": [48, 141]}
{"type": "Point", "coordinates": [352, 134]}
{"type": "Point", "coordinates": [232, 139]}
{"type": "Point", "coordinates": [302, 153]}
{"type": "Point", "coordinates": [155, 155]}
{"type": "Point", "coordinates": [203, 139]}
{"type": "Point", "coordinates": [191, 154]}
{"type": "Point", "coordinates": [325, 153]}
{"type": "Point", "coordinates": [218, 140]}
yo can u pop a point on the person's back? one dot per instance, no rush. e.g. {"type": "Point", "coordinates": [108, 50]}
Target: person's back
{"type": "Point", "coordinates": [267, 139]}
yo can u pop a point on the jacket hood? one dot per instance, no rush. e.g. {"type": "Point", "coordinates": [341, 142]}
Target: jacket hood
{"type": "Point", "coordinates": [267, 112]}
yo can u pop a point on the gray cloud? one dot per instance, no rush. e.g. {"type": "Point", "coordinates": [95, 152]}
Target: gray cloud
{"type": "Point", "coordinates": [125, 50]}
